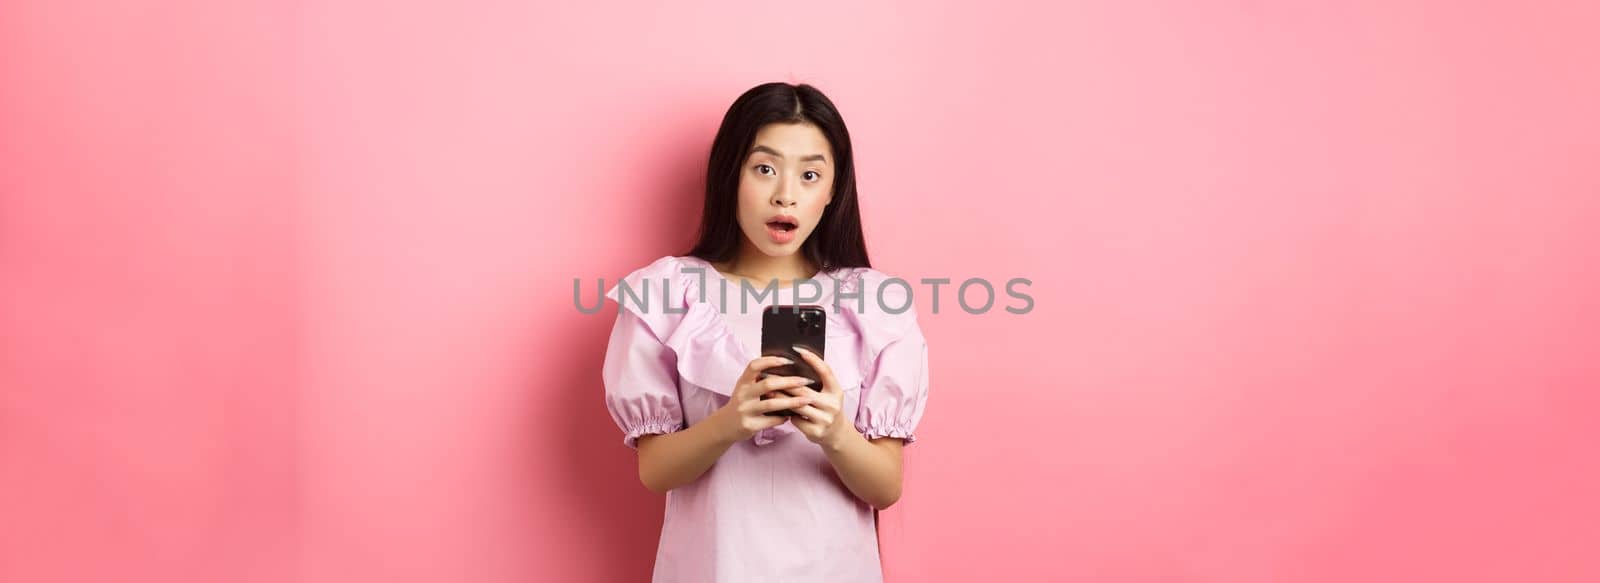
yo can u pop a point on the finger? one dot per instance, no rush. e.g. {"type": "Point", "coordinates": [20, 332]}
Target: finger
{"type": "Point", "coordinates": [824, 401]}
{"type": "Point", "coordinates": [771, 421]}
{"type": "Point", "coordinates": [781, 383]}
{"type": "Point", "coordinates": [809, 428]}
{"type": "Point", "coordinates": [815, 415]}
{"type": "Point", "coordinates": [770, 405]}
{"type": "Point", "coordinates": [796, 391]}
{"type": "Point", "coordinates": [829, 383]}
{"type": "Point", "coordinates": [752, 371]}
{"type": "Point", "coordinates": [819, 397]}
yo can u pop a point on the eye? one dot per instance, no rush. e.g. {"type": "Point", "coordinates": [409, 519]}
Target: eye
{"type": "Point", "coordinates": [761, 168]}
{"type": "Point", "coordinates": [813, 175]}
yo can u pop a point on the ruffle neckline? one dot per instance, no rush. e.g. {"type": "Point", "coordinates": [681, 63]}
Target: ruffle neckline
{"type": "Point", "coordinates": [709, 354]}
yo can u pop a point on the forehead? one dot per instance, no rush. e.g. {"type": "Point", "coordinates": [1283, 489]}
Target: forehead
{"type": "Point", "coordinates": [794, 140]}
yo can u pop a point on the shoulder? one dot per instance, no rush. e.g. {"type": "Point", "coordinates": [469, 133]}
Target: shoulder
{"type": "Point", "coordinates": [664, 266]}
{"type": "Point", "coordinates": [879, 305]}
{"type": "Point", "coordinates": [883, 292]}
{"type": "Point", "coordinates": [669, 273]}
{"type": "Point", "coordinates": [659, 292]}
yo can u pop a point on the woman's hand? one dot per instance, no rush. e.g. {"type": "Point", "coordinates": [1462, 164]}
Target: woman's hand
{"type": "Point", "coordinates": [746, 412]}
{"type": "Point", "coordinates": [822, 421]}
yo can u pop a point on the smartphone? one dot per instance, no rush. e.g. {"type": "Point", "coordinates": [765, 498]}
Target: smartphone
{"type": "Point", "coordinates": [782, 328]}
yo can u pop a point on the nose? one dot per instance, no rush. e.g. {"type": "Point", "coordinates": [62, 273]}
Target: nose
{"type": "Point", "coordinates": [782, 196]}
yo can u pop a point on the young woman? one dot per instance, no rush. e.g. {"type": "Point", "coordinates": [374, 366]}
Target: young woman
{"type": "Point", "coordinates": [750, 496]}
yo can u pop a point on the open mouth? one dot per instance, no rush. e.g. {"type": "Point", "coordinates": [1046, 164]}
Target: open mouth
{"type": "Point", "coordinates": [783, 224]}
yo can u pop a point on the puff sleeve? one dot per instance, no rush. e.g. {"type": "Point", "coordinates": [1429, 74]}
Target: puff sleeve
{"type": "Point", "coordinates": [641, 381]}
{"type": "Point", "coordinates": [895, 392]}
{"type": "Point", "coordinates": [640, 369]}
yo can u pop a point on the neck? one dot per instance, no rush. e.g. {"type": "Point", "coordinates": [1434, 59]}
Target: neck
{"type": "Point", "coordinates": [752, 264]}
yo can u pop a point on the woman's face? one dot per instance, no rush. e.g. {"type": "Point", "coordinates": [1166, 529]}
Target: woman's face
{"type": "Point", "coordinates": [786, 181]}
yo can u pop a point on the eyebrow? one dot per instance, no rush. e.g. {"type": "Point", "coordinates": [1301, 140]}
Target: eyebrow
{"type": "Point", "coordinates": [761, 148]}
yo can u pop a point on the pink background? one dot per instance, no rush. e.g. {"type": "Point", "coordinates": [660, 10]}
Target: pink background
{"type": "Point", "coordinates": [286, 287]}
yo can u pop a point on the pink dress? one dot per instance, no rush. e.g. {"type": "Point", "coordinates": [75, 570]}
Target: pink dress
{"type": "Point", "coordinates": [772, 508]}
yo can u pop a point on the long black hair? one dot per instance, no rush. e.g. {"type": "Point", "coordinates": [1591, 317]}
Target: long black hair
{"type": "Point", "coordinates": [837, 241]}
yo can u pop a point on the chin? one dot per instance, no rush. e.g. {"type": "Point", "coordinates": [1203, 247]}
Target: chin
{"type": "Point", "coordinates": [770, 249]}
{"type": "Point", "coordinates": [780, 251]}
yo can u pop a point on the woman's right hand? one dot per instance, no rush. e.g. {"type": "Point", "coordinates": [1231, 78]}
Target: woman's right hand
{"type": "Point", "coordinates": [745, 414]}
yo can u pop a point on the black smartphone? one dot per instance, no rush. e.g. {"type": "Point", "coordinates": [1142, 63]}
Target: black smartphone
{"type": "Point", "coordinates": [784, 327]}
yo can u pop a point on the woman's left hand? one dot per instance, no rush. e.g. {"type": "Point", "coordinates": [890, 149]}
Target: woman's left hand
{"type": "Point", "coordinates": [823, 421]}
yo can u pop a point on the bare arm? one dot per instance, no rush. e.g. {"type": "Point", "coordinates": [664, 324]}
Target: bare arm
{"type": "Point", "coordinates": [869, 468]}
{"type": "Point", "coordinates": [670, 460]}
